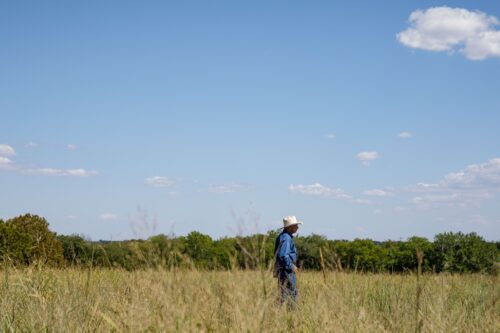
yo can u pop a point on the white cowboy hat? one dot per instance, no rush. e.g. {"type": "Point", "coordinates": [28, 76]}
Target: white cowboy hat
{"type": "Point", "coordinates": [290, 220]}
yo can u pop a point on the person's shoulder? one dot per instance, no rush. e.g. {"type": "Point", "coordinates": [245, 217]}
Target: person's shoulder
{"type": "Point", "coordinates": [285, 235]}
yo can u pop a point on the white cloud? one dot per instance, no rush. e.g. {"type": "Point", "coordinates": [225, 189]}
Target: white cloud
{"type": "Point", "coordinates": [361, 201]}
{"type": "Point", "coordinates": [467, 187]}
{"type": "Point", "coordinates": [6, 150]}
{"type": "Point", "coordinates": [428, 201]}
{"type": "Point", "coordinates": [71, 146]}
{"type": "Point", "coordinates": [476, 176]}
{"type": "Point", "coordinates": [426, 185]}
{"type": "Point", "coordinates": [31, 145]}
{"type": "Point", "coordinates": [453, 29]}
{"type": "Point", "coordinates": [221, 189]}
{"type": "Point", "coordinates": [5, 163]}
{"type": "Point", "coordinates": [405, 135]}
{"type": "Point", "coordinates": [377, 193]}
{"type": "Point", "coordinates": [61, 172]}
{"type": "Point", "coordinates": [227, 188]}
{"type": "Point", "coordinates": [324, 191]}
{"type": "Point", "coordinates": [108, 216]}
{"type": "Point", "coordinates": [366, 157]}
{"type": "Point", "coordinates": [487, 44]}
{"type": "Point", "coordinates": [319, 190]}
{"type": "Point", "coordinates": [331, 136]}
{"type": "Point", "coordinates": [159, 181]}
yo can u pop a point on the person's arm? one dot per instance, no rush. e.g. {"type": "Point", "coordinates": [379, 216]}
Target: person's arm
{"type": "Point", "coordinates": [284, 254]}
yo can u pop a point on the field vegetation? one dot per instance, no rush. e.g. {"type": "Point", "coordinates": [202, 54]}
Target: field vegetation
{"type": "Point", "coordinates": [65, 283]}
{"type": "Point", "coordinates": [102, 300]}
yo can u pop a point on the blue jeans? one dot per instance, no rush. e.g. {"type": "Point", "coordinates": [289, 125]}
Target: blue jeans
{"type": "Point", "coordinates": [287, 284]}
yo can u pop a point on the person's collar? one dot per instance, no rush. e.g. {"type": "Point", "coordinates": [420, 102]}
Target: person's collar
{"type": "Point", "coordinates": [288, 232]}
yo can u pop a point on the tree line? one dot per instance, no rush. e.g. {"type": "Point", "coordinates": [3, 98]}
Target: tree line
{"type": "Point", "coordinates": [27, 240]}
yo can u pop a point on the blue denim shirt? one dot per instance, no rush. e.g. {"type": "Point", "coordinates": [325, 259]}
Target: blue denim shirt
{"type": "Point", "coordinates": [286, 257]}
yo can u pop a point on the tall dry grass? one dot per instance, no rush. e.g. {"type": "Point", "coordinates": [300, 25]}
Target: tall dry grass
{"type": "Point", "coordinates": [104, 300]}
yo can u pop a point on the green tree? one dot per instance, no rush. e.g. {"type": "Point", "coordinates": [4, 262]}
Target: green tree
{"type": "Point", "coordinates": [224, 251]}
{"type": "Point", "coordinates": [76, 249]}
{"type": "Point", "coordinates": [458, 252]}
{"type": "Point", "coordinates": [199, 248]}
{"type": "Point", "coordinates": [366, 255]}
{"type": "Point", "coordinates": [308, 248]}
{"type": "Point", "coordinates": [27, 239]}
{"type": "Point", "coordinates": [401, 256]}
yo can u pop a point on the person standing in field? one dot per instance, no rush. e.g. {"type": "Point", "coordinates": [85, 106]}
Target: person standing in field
{"type": "Point", "coordinates": [285, 268]}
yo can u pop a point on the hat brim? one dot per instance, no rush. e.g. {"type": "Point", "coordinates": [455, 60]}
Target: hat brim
{"type": "Point", "coordinates": [296, 223]}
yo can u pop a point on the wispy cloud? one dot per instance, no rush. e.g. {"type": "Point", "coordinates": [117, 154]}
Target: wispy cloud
{"type": "Point", "coordinates": [319, 190]}
{"type": "Point", "coordinates": [108, 216]}
{"type": "Point", "coordinates": [6, 150]}
{"type": "Point", "coordinates": [60, 172]}
{"type": "Point", "coordinates": [31, 145]}
{"type": "Point", "coordinates": [467, 187]}
{"type": "Point", "coordinates": [331, 136]}
{"type": "Point", "coordinates": [227, 188]}
{"type": "Point", "coordinates": [472, 33]}
{"type": "Point", "coordinates": [405, 135]}
{"type": "Point", "coordinates": [5, 163]}
{"type": "Point", "coordinates": [8, 164]}
{"type": "Point", "coordinates": [366, 157]}
{"type": "Point", "coordinates": [377, 193]}
{"type": "Point", "coordinates": [476, 176]}
{"type": "Point", "coordinates": [159, 181]}
{"type": "Point", "coordinates": [71, 146]}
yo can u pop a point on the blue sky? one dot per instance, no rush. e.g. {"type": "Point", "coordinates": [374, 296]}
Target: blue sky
{"type": "Point", "coordinates": [364, 119]}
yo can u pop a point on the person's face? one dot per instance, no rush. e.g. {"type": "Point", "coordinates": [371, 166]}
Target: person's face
{"type": "Point", "coordinates": [293, 228]}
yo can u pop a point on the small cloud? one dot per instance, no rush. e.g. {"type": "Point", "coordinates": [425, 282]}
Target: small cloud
{"type": "Point", "coordinates": [61, 172]}
{"type": "Point", "coordinates": [366, 157]}
{"type": "Point", "coordinates": [159, 181]}
{"type": "Point", "coordinates": [435, 200]}
{"type": "Point", "coordinates": [445, 29]}
{"type": "Point", "coordinates": [405, 135]}
{"type": "Point", "coordinates": [71, 146]}
{"type": "Point", "coordinates": [221, 189]}
{"type": "Point", "coordinates": [5, 163]}
{"type": "Point", "coordinates": [361, 201]}
{"type": "Point", "coordinates": [226, 188]}
{"type": "Point", "coordinates": [108, 216]}
{"type": "Point", "coordinates": [6, 150]}
{"type": "Point", "coordinates": [377, 212]}
{"type": "Point", "coordinates": [377, 193]}
{"type": "Point", "coordinates": [31, 145]}
{"type": "Point", "coordinates": [331, 136]}
{"type": "Point", "coordinates": [319, 190]}
{"type": "Point", "coordinates": [426, 185]}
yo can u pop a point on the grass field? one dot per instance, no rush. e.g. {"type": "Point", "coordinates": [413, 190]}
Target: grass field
{"type": "Point", "coordinates": [79, 300]}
